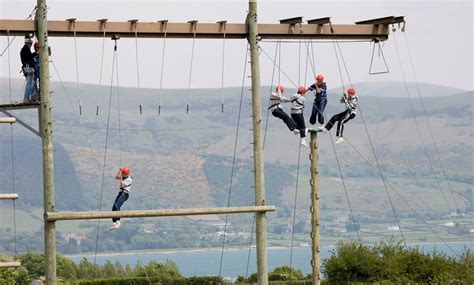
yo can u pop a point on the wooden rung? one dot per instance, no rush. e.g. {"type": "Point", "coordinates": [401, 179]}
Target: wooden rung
{"type": "Point", "coordinates": [8, 196]}
{"type": "Point", "coordinates": [62, 216]}
{"type": "Point", "coordinates": [10, 264]}
{"type": "Point", "coordinates": [7, 120]}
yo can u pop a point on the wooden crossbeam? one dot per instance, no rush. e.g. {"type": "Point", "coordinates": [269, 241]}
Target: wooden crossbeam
{"type": "Point", "coordinates": [320, 21]}
{"type": "Point", "coordinates": [62, 216]}
{"type": "Point", "coordinates": [203, 30]}
{"type": "Point", "coordinates": [10, 264]}
{"type": "Point", "coordinates": [8, 196]}
{"type": "Point", "coordinates": [382, 21]}
{"type": "Point", "coordinates": [292, 21]}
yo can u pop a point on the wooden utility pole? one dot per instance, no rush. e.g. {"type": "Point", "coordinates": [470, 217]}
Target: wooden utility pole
{"type": "Point", "coordinates": [261, 218]}
{"type": "Point", "coordinates": [315, 233]}
{"type": "Point", "coordinates": [47, 141]}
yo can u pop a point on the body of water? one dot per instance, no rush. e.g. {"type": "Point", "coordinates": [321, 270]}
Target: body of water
{"type": "Point", "coordinates": [203, 262]}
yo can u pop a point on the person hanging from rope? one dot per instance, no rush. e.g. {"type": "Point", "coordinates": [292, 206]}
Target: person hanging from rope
{"type": "Point", "coordinates": [126, 181]}
{"type": "Point", "coordinates": [297, 107]}
{"type": "Point", "coordinates": [350, 99]}
{"type": "Point", "coordinates": [276, 98]}
{"type": "Point", "coordinates": [28, 64]}
{"type": "Point", "coordinates": [320, 100]}
{"type": "Point", "coordinates": [36, 59]}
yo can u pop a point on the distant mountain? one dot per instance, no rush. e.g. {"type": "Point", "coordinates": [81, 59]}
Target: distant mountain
{"type": "Point", "coordinates": [397, 89]}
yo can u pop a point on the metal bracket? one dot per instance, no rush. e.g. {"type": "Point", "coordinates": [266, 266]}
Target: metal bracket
{"type": "Point", "coordinates": [295, 23]}
{"type": "Point", "coordinates": [320, 22]}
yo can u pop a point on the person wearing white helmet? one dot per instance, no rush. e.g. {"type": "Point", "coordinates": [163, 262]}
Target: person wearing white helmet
{"type": "Point", "coordinates": [28, 68]}
{"type": "Point", "coordinates": [276, 98]}
{"type": "Point", "coordinates": [350, 100]}
{"type": "Point", "coordinates": [297, 107]}
{"type": "Point", "coordinates": [125, 184]}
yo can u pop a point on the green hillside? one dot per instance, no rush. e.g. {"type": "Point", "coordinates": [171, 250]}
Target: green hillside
{"type": "Point", "coordinates": [185, 160]}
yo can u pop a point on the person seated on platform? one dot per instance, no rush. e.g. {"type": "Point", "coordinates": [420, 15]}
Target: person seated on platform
{"type": "Point", "coordinates": [36, 95]}
{"type": "Point", "coordinates": [350, 99]}
{"type": "Point", "coordinates": [125, 183]}
{"type": "Point", "coordinates": [297, 107]}
{"type": "Point", "coordinates": [28, 68]}
{"type": "Point", "coordinates": [320, 100]}
{"type": "Point", "coordinates": [276, 98]}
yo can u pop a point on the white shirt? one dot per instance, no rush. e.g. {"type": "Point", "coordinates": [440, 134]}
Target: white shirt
{"type": "Point", "coordinates": [128, 182]}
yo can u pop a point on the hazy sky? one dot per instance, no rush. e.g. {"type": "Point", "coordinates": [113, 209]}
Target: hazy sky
{"type": "Point", "coordinates": [440, 37]}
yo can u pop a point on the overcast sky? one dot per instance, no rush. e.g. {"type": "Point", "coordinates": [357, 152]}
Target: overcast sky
{"type": "Point", "coordinates": [440, 37]}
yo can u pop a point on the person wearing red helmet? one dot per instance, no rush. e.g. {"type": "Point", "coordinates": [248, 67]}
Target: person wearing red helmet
{"type": "Point", "coordinates": [276, 98]}
{"type": "Point", "coordinates": [297, 107]}
{"type": "Point", "coordinates": [125, 183]}
{"type": "Point", "coordinates": [320, 100]}
{"type": "Point", "coordinates": [350, 100]}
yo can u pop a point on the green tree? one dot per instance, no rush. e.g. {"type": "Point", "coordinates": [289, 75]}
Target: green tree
{"type": "Point", "coordinates": [285, 273]}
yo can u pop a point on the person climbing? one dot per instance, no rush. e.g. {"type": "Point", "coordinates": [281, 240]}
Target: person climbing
{"type": "Point", "coordinates": [320, 100]}
{"type": "Point", "coordinates": [350, 99]}
{"type": "Point", "coordinates": [28, 64]}
{"type": "Point", "coordinates": [36, 59]}
{"type": "Point", "coordinates": [297, 107]}
{"type": "Point", "coordinates": [276, 98]}
{"type": "Point", "coordinates": [125, 183]}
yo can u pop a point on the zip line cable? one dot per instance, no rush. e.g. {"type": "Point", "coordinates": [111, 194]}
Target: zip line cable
{"type": "Point", "coordinates": [101, 66]}
{"type": "Point", "coordinates": [233, 161]}
{"type": "Point", "coordinates": [425, 150]}
{"type": "Point", "coordinates": [368, 135]}
{"type": "Point", "coordinates": [430, 129]}
{"type": "Point", "coordinates": [377, 171]}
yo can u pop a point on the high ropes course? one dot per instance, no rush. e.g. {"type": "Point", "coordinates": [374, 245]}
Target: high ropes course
{"type": "Point", "coordinates": [375, 30]}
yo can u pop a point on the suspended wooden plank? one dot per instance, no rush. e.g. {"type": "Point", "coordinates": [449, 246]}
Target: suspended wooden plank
{"type": "Point", "coordinates": [62, 216]}
{"type": "Point", "coordinates": [8, 196]}
{"type": "Point", "coordinates": [7, 120]}
{"type": "Point", "coordinates": [10, 264]}
{"type": "Point", "coordinates": [203, 30]}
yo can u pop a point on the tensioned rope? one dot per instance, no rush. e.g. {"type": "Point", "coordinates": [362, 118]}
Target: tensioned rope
{"type": "Point", "coordinates": [101, 64]}
{"type": "Point", "coordinates": [425, 150]}
{"type": "Point", "coordinates": [222, 67]}
{"type": "Point", "coordinates": [368, 135]}
{"type": "Point", "coordinates": [233, 162]}
{"type": "Point", "coordinates": [419, 217]}
{"type": "Point", "coordinates": [435, 145]}
{"type": "Point", "coordinates": [138, 68]}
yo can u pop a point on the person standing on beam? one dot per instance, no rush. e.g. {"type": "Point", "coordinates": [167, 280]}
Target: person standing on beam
{"type": "Point", "coordinates": [320, 100]}
{"type": "Point", "coordinates": [125, 183]}
{"type": "Point", "coordinates": [28, 68]}
{"type": "Point", "coordinates": [276, 98]}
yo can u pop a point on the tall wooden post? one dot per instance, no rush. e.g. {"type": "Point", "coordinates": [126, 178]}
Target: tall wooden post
{"type": "Point", "coordinates": [261, 218]}
{"type": "Point", "coordinates": [47, 141]}
{"type": "Point", "coordinates": [315, 233]}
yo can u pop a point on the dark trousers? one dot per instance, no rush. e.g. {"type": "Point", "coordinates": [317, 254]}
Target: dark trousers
{"type": "Point", "coordinates": [279, 113]}
{"type": "Point", "coordinates": [319, 105]}
{"type": "Point", "coordinates": [341, 119]}
{"type": "Point", "coordinates": [121, 198]}
{"type": "Point", "coordinates": [299, 120]}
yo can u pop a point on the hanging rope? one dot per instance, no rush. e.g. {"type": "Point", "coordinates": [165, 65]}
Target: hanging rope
{"type": "Point", "coordinates": [9, 69]}
{"type": "Point", "coordinates": [193, 25]}
{"type": "Point", "coordinates": [368, 135]}
{"type": "Point", "coordinates": [164, 23]}
{"type": "Point", "coordinates": [135, 24]}
{"type": "Point", "coordinates": [103, 23]}
{"type": "Point", "coordinates": [270, 93]}
{"type": "Point", "coordinates": [429, 127]}
{"type": "Point", "coordinates": [380, 53]}
{"type": "Point", "coordinates": [73, 23]}
{"type": "Point", "coordinates": [118, 100]}
{"type": "Point", "coordinates": [223, 25]}
{"type": "Point", "coordinates": [233, 161]}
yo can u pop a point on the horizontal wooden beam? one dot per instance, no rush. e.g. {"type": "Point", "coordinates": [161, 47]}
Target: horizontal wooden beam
{"type": "Point", "coordinates": [8, 196]}
{"type": "Point", "coordinates": [19, 106]}
{"type": "Point", "coordinates": [10, 264]}
{"type": "Point", "coordinates": [7, 120]}
{"type": "Point", "coordinates": [62, 216]}
{"type": "Point", "coordinates": [186, 30]}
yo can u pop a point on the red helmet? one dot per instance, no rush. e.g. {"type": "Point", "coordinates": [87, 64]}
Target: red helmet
{"type": "Point", "coordinates": [351, 91]}
{"type": "Point", "coordinates": [302, 90]}
{"type": "Point", "coordinates": [319, 78]}
{"type": "Point", "coordinates": [36, 45]}
{"type": "Point", "coordinates": [281, 88]}
{"type": "Point", "coordinates": [125, 171]}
